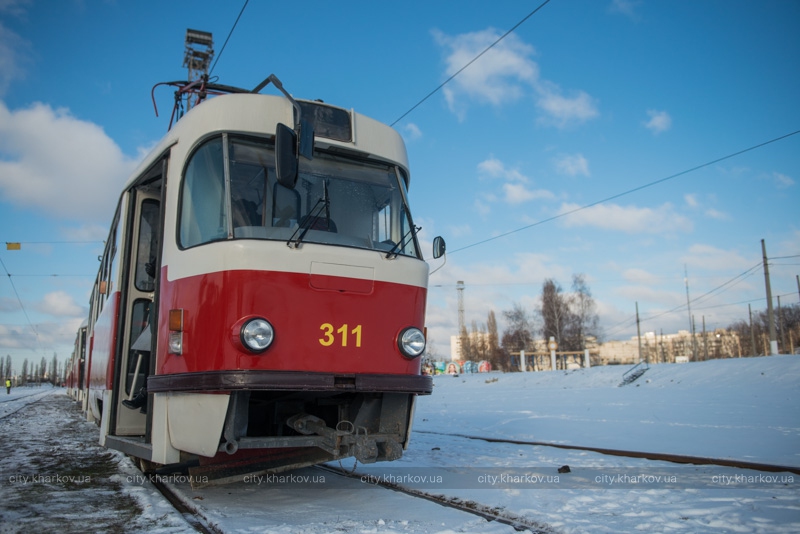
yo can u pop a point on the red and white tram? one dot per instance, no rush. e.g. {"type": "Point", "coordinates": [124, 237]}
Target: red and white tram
{"type": "Point", "coordinates": [264, 309]}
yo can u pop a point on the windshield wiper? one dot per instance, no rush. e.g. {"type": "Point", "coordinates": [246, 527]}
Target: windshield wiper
{"type": "Point", "coordinates": [313, 216]}
{"type": "Point", "coordinates": [412, 232]}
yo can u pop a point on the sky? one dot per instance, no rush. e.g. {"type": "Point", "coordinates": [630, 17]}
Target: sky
{"type": "Point", "coordinates": [599, 137]}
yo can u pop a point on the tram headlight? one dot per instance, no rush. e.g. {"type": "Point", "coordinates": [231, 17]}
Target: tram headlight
{"type": "Point", "coordinates": [411, 342]}
{"type": "Point", "coordinates": [257, 335]}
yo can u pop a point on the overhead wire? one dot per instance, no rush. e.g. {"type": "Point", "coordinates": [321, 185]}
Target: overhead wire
{"type": "Point", "coordinates": [473, 60]}
{"type": "Point", "coordinates": [629, 191]}
{"type": "Point", "coordinates": [19, 300]}
{"type": "Point", "coordinates": [228, 37]}
{"type": "Point", "coordinates": [622, 325]}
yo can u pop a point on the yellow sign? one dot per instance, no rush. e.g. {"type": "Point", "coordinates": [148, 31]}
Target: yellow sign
{"type": "Point", "coordinates": [13, 246]}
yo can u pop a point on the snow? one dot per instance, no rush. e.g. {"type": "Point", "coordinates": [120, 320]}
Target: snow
{"type": "Point", "coordinates": [740, 409]}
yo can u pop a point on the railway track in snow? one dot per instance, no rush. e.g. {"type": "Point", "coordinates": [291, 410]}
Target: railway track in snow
{"type": "Point", "coordinates": [202, 510]}
{"type": "Point", "coordinates": [201, 514]}
{"type": "Point", "coordinates": [656, 456]}
{"type": "Point", "coordinates": [487, 512]}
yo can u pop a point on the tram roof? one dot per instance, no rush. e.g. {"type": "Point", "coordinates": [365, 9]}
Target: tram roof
{"type": "Point", "coordinates": [258, 115]}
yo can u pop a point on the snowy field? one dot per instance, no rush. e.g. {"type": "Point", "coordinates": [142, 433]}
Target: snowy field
{"type": "Point", "coordinates": [743, 409]}
{"type": "Point", "coordinates": [746, 408]}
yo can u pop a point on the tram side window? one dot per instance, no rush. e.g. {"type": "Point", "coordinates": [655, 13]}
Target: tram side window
{"type": "Point", "coordinates": [203, 215]}
{"type": "Point", "coordinates": [147, 247]}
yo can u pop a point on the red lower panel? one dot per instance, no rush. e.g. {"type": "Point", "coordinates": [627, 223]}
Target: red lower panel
{"type": "Point", "coordinates": [316, 329]}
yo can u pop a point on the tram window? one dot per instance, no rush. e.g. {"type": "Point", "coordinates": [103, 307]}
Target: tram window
{"type": "Point", "coordinates": [140, 318]}
{"type": "Point", "coordinates": [203, 215]}
{"type": "Point", "coordinates": [248, 185]}
{"type": "Point", "coordinates": [147, 248]}
{"type": "Point", "coordinates": [352, 203]}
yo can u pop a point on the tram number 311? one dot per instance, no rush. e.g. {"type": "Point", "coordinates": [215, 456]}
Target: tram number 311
{"type": "Point", "coordinates": [329, 336]}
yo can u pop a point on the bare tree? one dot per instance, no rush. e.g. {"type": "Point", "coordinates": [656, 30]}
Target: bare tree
{"type": "Point", "coordinates": [25, 371]}
{"type": "Point", "coordinates": [586, 321]}
{"type": "Point", "coordinates": [519, 333]}
{"type": "Point", "coordinates": [54, 370]}
{"type": "Point", "coordinates": [466, 344]}
{"type": "Point", "coordinates": [555, 312]}
{"type": "Point", "coordinates": [497, 356]}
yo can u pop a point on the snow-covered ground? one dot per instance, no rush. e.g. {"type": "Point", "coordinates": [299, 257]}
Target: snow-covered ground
{"type": "Point", "coordinates": [745, 408]}
{"type": "Point", "coordinates": [742, 409]}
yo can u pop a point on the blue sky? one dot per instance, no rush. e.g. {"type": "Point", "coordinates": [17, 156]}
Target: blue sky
{"type": "Point", "coordinates": [583, 101]}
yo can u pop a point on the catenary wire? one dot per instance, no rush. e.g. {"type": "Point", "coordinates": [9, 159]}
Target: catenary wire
{"type": "Point", "coordinates": [228, 37]}
{"type": "Point", "coordinates": [473, 60]}
{"type": "Point", "coordinates": [629, 191]}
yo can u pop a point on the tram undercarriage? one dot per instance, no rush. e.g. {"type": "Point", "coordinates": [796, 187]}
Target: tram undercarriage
{"type": "Point", "coordinates": [227, 435]}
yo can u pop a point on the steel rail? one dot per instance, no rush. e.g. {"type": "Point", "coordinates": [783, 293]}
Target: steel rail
{"type": "Point", "coordinates": [659, 456]}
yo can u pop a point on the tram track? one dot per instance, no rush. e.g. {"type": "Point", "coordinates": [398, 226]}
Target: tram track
{"type": "Point", "coordinates": [655, 456]}
{"type": "Point", "coordinates": [202, 522]}
{"type": "Point", "coordinates": [199, 522]}
{"type": "Point", "coordinates": [191, 514]}
{"type": "Point", "coordinates": [489, 513]}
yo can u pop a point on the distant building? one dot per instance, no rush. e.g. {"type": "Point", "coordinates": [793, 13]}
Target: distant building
{"type": "Point", "coordinates": [656, 348]}
{"type": "Point", "coordinates": [455, 344]}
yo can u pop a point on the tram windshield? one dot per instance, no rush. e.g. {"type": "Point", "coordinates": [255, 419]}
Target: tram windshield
{"type": "Point", "coordinates": [337, 201]}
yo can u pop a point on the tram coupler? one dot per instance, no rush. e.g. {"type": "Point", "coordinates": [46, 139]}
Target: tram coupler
{"type": "Point", "coordinates": [367, 448]}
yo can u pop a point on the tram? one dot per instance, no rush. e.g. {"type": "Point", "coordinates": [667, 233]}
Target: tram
{"type": "Point", "coordinates": [260, 303]}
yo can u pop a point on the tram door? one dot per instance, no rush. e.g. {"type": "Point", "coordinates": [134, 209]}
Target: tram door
{"type": "Point", "coordinates": [137, 313]}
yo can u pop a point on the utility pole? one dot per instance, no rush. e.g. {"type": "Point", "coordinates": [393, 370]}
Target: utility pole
{"type": "Point", "coordinates": [752, 335]}
{"type": "Point", "coordinates": [639, 333]}
{"type": "Point", "coordinates": [705, 340]}
{"type": "Point", "coordinates": [691, 319]}
{"type": "Point", "coordinates": [773, 338]}
{"type": "Point", "coordinates": [460, 289]}
{"type": "Point", "coordinates": [780, 325]}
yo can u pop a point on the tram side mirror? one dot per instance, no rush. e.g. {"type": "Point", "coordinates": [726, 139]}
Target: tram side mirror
{"type": "Point", "coordinates": [439, 247]}
{"type": "Point", "coordinates": [286, 160]}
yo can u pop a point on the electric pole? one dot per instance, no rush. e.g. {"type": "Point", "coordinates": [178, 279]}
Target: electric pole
{"type": "Point", "coordinates": [773, 338]}
{"type": "Point", "coordinates": [460, 289]}
{"type": "Point", "coordinates": [691, 319]}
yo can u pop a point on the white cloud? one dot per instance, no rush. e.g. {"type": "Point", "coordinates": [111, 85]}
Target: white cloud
{"type": "Point", "coordinates": [782, 180]}
{"type": "Point", "coordinates": [412, 131]}
{"type": "Point", "coordinates": [482, 207]}
{"type": "Point", "coordinates": [640, 276]}
{"type": "Point", "coordinates": [515, 189]}
{"type": "Point", "coordinates": [712, 258]}
{"type": "Point", "coordinates": [518, 193]}
{"type": "Point", "coordinates": [459, 231]}
{"type": "Point", "coordinates": [494, 168]}
{"type": "Point", "coordinates": [572, 165]}
{"type": "Point", "coordinates": [58, 164]}
{"type": "Point", "coordinates": [660, 121]}
{"type": "Point", "coordinates": [694, 203]}
{"type": "Point", "coordinates": [504, 74]}
{"type": "Point", "coordinates": [14, 53]}
{"type": "Point", "coordinates": [60, 303]}
{"type": "Point", "coordinates": [562, 111]}
{"type": "Point", "coordinates": [491, 168]}
{"type": "Point", "coordinates": [628, 219]}
{"type": "Point", "coordinates": [716, 214]}
{"type": "Point", "coordinates": [626, 7]}
{"type": "Point", "coordinates": [496, 76]}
